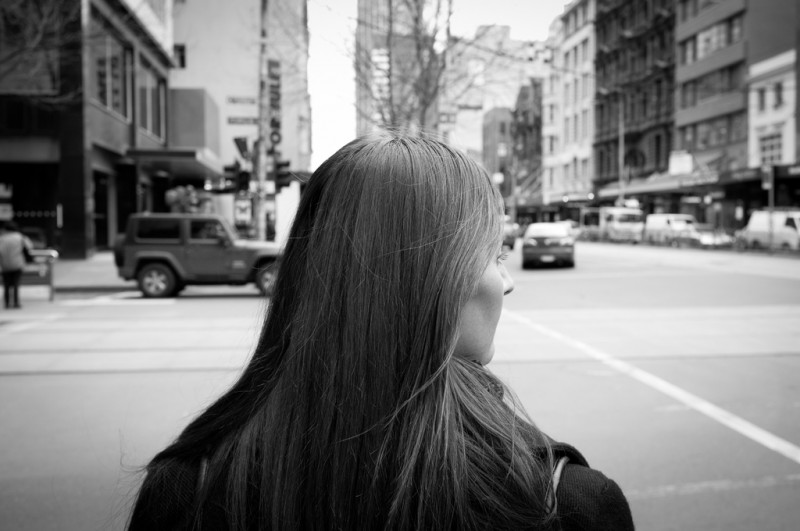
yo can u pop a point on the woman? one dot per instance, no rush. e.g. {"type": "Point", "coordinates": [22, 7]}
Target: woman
{"type": "Point", "coordinates": [366, 404]}
{"type": "Point", "coordinates": [13, 249]}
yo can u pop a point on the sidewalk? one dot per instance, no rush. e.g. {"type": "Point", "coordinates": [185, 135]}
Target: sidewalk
{"type": "Point", "coordinates": [97, 273]}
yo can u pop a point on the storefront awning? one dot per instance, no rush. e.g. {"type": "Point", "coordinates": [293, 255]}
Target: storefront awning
{"type": "Point", "coordinates": [199, 163]}
{"type": "Point", "coordinates": [660, 182]}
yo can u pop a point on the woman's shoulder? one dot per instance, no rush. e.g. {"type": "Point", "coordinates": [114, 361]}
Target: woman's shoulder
{"type": "Point", "coordinates": [588, 500]}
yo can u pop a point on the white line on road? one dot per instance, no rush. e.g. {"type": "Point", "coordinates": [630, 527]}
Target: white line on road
{"type": "Point", "coordinates": [726, 418]}
{"type": "Point", "coordinates": [27, 325]}
{"type": "Point", "coordinates": [721, 485]}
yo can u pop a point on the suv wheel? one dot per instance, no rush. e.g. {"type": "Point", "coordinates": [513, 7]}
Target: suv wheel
{"type": "Point", "coordinates": [265, 278]}
{"type": "Point", "coordinates": [156, 280]}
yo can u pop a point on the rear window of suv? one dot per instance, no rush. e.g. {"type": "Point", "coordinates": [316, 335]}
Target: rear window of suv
{"type": "Point", "coordinates": [158, 229]}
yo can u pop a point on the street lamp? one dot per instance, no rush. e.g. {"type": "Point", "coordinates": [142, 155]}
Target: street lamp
{"type": "Point", "coordinates": [620, 140]}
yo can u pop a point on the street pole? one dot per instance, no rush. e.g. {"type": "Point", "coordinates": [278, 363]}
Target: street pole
{"type": "Point", "coordinates": [261, 158]}
{"type": "Point", "coordinates": [621, 149]}
{"type": "Point", "coordinates": [771, 204]}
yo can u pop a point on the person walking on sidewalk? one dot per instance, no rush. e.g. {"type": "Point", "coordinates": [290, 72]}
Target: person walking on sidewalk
{"type": "Point", "coordinates": [13, 246]}
{"type": "Point", "coordinates": [367, 403]}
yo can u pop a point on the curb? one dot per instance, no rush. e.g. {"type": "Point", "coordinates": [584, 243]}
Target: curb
{"type": "Point", "coordinates": [97, 289]}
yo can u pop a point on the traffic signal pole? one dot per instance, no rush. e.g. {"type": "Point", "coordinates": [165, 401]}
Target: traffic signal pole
{"type": "Point", "coordinates": [262, 159]}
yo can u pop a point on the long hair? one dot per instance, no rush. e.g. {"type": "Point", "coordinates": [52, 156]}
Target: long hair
{"type": "Point", "coordinates": [353, 412]}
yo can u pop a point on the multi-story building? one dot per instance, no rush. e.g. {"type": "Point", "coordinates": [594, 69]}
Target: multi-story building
{"type": "Point", "coordinates": [390, 38]}
{"type": "Point", "coordinates": [226, 64]}
{"type": "Point", "coordinates": [634, 68]}
{"type": "Point", "coordinates": [552, 113]}
{"type": "Point", "coordinates": [525, 172]}
{"type": "Point", "coordinates": [721, 45]}
{"type": "Point", "coordinates": [76, 112]}
{"type": "Point", "coordinates": [568, 167]}
{"type": "Point", "coordinates": [497, 146]}
{"type": "Point", "coordinates": [482, 73]}
{"type": "Point", "coordinates": [772, 111]}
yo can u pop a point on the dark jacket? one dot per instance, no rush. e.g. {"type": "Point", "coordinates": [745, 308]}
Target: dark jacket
{"type": "Point", "coordinates": [586, 500]}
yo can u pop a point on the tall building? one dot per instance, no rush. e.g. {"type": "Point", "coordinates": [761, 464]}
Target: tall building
{"type": "Point", "coordinates": [525, 172]}
{"type": "Point", "coordinates": [634, 67]}
{"type": "Point", "coordinates": [570, 97]}
{"type": "Point", "coordinates": [390, 38]}
{"type": "Point", "coordinates": [78, 110]}
{"type": "Point", "coordinates": [552, 120]}
{"type": "Point", "coordinates": [226, 63]}
{"type": "Point", "coordinates": [482, 73]}
{"type": "Point", "coordinates": [723, 48]}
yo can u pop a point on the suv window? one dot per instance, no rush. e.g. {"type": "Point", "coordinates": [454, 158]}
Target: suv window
{"type": "Point", "coordinates": [158, 229]}
{"type": "Point", "coordinates": [790, 223]}
{"type": "Point", "coordinates": [206, 230]}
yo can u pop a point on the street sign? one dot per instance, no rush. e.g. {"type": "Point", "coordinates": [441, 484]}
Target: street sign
{"type": "Point", "coordinates": [766, 177]}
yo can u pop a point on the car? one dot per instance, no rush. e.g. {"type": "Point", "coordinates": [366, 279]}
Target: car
{"type": "Point", "coordinates": [667, 228]}
{"type": "Point", "coordinates": [702, 236]}
{"type": "Point", "coordinates": [548, 243]}
{"type": "Point", "coordinates": [510, 234]}
{"type": "Point", "coordinates": [166, 252]}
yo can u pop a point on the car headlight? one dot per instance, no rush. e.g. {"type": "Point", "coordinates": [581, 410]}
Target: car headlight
{"type": "Point", "coordinates": [531, 242]}
{"type": "Point", "coordinates": [566, 241]}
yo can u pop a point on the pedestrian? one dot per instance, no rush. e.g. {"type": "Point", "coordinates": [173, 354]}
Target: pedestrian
{"type": "Point", "coordinates": [367, 403]}
{"type": "Point", "coordinates": [13, 248]}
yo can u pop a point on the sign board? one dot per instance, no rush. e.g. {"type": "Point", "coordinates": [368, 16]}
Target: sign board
{"type": "Point", "coordinates": [241, 100]}
{"type": "Point", "coordinates": [274, 79]}
{"type": "Point", "coordinates": [242, 211]}
{"type": "Point", "coordinates": [680, 163]}
{"type": "Point", "coordinates": [766, 177]}
{"type": "Point", "coordinates": [243, 120]}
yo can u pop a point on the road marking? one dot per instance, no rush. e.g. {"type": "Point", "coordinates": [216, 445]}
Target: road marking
{"type": "Point", "coordinates": [23, 325]}
{"type": "Point", "coordinates": [722, 485]}
{"type": "Point", "coordinates": [726, 418]}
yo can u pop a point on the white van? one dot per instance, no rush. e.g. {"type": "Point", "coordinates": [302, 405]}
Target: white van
{"type": "Point", "coordinates": [785, 233]}
{"type": "Point", "coordinates": [666, 228]}
{"type": "Point", "coordinates": [621, 224]}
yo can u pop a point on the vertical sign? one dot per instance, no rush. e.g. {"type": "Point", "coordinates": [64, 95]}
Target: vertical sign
{"type": "Point", "coordinates": [274, 77]}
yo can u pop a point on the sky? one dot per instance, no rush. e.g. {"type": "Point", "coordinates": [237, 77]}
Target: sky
{"type": "Point", "coordinates": [330, 69]}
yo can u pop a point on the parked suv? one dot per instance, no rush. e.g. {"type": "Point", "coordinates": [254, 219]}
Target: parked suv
{"type": "Point", "coordinates": [166, 252]}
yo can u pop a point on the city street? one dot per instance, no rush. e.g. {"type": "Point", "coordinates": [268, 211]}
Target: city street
{"type": "Point", "coordinates": [675, 371]}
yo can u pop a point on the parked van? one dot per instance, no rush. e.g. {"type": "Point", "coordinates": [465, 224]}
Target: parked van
{"type": "Point", "coordinates": [665, 229]}
{"type": "Point", "coordinates": [785, 233]}
{"type": "Point", "coordinates": [621, 224]}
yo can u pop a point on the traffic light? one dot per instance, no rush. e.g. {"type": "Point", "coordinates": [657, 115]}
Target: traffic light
{"type": "Point", "coordinates": [283, 176]}
{"type": "Point", "coordinates": [243, 181]}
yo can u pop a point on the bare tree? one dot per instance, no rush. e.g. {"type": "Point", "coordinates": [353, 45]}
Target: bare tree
{"type": "Point", "coordinates": [407, 61]}
{"type": "Point", "coordinates": [36, 40]}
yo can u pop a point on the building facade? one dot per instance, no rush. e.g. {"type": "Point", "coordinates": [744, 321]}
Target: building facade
{"type": "Point", "coordinates": [569, 168]}
{"type": "Point", "coordinates": [67, 138]}
{"type": "Point", "coordinates": [634, 66]}
{"type": "Point", "coordinates": [483, 72]}
{"type": "Point", "coordinates": [228, 67]}
{"type": "Point", "coordinates": [525, 171]}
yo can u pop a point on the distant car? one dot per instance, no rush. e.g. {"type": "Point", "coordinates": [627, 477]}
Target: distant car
{"type": "Point", "coordinates": [702, 236]}
{"type": "Point", "coordinates": [510, 233]}
{"type": "Point", "coordinates": [548, 243]}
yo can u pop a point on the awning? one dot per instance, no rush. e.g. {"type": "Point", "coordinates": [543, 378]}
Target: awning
{"type": "Point", "coordinates": [660, 182]}
{"type": "Point", "coordinates": [199, 163]}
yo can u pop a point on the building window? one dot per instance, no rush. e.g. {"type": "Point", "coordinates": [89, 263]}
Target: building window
{"type": "Point", "coordinates": [502, 128]}
{"type": "Point", "coordinates": [179, 54]}
{"type": "Point", "coordinates": [762, 98]}
{"type": "Point", "coordinates": [152, 91]}
{"type": "Point", "coordinates": [109, 64]}
{"type": "Point", "coordinates": [778, 94]}
{"type": "Point", "coordinates": [770, 147]}
{"type": "Point", "coordinates": [585, 124]}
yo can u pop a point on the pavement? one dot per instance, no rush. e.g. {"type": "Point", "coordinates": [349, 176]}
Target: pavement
{"type": "Point", "coordinates": [97, 273]}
